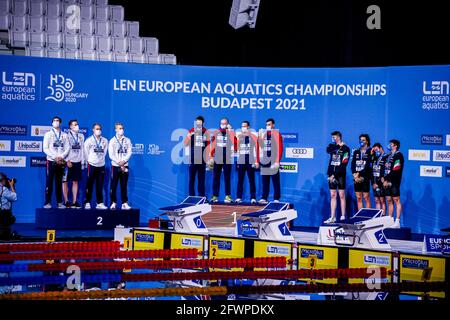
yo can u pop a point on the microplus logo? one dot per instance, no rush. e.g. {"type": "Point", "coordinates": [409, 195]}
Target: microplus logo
{"type": "Point", "coordinates": [432, 139]}
{"type": "Point", "coordinates": [144, 237]}
{"type": "Point", "coordinates": [18, 86]}
{"type": "Point", "coordinates": [61, 90]}
{"type": "Point", "coordinates": [306, 253]}
{"type": "Point", "coordinates": [435, 95]}
{"type": "Point", "coordinates": [222, 244]}
{"type": "Point", "coordinates": [13, 130]}
{"type": "Point", "coordinates": [414, 263]}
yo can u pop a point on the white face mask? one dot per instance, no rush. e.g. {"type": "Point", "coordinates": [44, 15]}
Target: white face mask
{"type": "Point", "coordinates": [268, 128]}
{"type": "Point", "coordinates": [223, 126]}
{"type": "Point", "coordinates": [75, 128]}
{"type": "Point", "coordinates": [55, 124]}
{"type": "Point", "coordinates": [244, 129]}
{"type": "Point", "coordinates": [120, 132]}
{"type": "Point", "coordinates": [198, 124]}
{"type": "Point", "coordinates": [98, 132]}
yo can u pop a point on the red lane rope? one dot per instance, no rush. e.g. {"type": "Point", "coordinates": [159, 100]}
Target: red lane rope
{"type": "Point", "coordinates": [60, 246]}
{"type": "Point", "coordinates": [139, 254]}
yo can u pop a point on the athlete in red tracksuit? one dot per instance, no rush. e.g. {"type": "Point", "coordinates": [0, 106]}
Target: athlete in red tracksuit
{"type": "Point", "coordinates": [271, 146]}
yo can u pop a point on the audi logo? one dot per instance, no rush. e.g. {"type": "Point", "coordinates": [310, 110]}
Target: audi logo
{"type": "Point", "coordinates": [299, 151]}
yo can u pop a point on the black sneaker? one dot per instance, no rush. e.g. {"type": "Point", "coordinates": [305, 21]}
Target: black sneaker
{"type": "Point", "coordinates": [68, 204]}
{"type": "Point", "coordinates": [76, 205]}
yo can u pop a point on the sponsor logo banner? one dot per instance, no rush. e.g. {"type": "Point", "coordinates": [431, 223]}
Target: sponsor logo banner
{"type": "Point", "coordinates": [305, 253]}
{"type": "Point", "coordinates": [300, 153]}
{"type": "Point", "coordinates": [137, 148]}
{"type": "Point", "coordinates": [154, 150]}
{"type": "Point", "coordinates": [28, 146]}
{"type": "Point", "coordinates": [436, 244]}
{"type": "Point", "coordinates": [431, 171]}
{"type": "Point", "coordinates": [435, 95]}
{"type": "Point", "coordinates": [415, 263]}
{"type": "Point", "coordinates": [61, 90]}
{"type": "Point", "coordinates": [419, 155]}
{"type": "Point", "coordinates": [145, 237]}
{"type": "Point", "coordinates": [13, 130]}
{"type": "Point", "coordinates": [290, 137]}
{"type": "Point", "coordinates": [191, 242]}
{"type": "Point", "coordinates": [18, 86]}
{"type": "Point", "coordinates": [38, 161]}
{"type": "Point", "coordinates": [447, 172]}
{"type": "Point", "coordinates": [39, 131]}
{"type": "Point", "coordinates": [441, 155]}
{"type": "Point", "coordinates": [278, 250]}
{"type": "Point", "coordinates": [12, 161]}
{"type": "Point", "coordinates": [434, 139]}
{"type": "Point", "coordinates": [377, 260]}
{"type": "Point", "coordinates": [222, 244]}
{"type": "Point", "coordinates": [83, 131]}
{"type": "Point", "coordinates": [5, 145]}
{"type": "Point", "coordinates": [289, 167]}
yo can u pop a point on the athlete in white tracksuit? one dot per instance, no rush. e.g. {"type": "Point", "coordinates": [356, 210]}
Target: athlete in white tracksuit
{"type": "Point", "coordinates": [95, 149]}
{"type": "Point", "coordinates": [56, 147]}
{"type": "Point", "coordinates": [119, 151]}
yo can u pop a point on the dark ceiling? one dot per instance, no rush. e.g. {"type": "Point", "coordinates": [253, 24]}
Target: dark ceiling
{"type": "Point", "coordinates": [299, 33]}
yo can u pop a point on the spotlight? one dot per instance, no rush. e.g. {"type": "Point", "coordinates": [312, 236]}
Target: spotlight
{"type": "Point", "coordinates": [244, 12]}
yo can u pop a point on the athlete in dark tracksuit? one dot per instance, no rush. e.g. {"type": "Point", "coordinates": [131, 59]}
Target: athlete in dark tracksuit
{"type": "Point", "coordinates": [378, 163]}
{"type": "Point", "coordinates": [337, 166]}
{"type": "Point", "coordinates": [223, 143]}
{"type": "Point", "coordinates": [361, 169]}
{"type": "Point", "coordinates": [248, 162]}
{"type": "Point", "coordinates": [198, 141]}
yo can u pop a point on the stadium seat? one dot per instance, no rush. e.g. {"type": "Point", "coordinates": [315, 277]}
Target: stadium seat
{"type": "Point", "coordinates": [87, 27]}
{"type": "Point", "coordinates": [104, 44]}
{"type": "Point", "coordinates": [151, 46]}
{"type": "Point", "coordinates": [5, 6]}
{"type": "Point", "coordinates": [105, 56]}
{"type": "Point", "coordinates": [87, 12]}
{"type": "Point", "coordinates": [54, 9]}
{"type": "Point", "coordinates": [18, 39]}
{"type": "Point", "coordinates": [132, 29]}
{"type": "Point", "coordinates": [35, 52]}
{"type": "Point", "coordinates": [118, 29]}
{"type": "Point", "coordinates": [54, 24]}
{"type": "Point", "coordinates": [137, 58]}
{"type": "Point", "coordinates": [168, 59]}
{"type": "Point", "coordinates": [5, 20]}
{"type": "Point", "coordinates": [121, 57]}
{"type": "Point", "coordinates": [102, 13]}
{"type": "Point", "coordinates": [36, 24]}
{"type": "Point", "coordinates": [120, 45]}
{"type": "Point", "coordinates": [88, 55]}
{"type": "Point", "coordinates": [87, 43]}
{"type": "Point", "coordinates": [102, 28]}
{"type": "Point", "coordinates": [101, 2]}
{"type": "Point", "coordinates": [117, 13]}
{"type": "Point", "coordinates": [71, 54]}
{"type": "Point", "coordinates": [152, 59]}
{"type": "Point", "coordinates": [54, 40]}
{"type": "Point", "coordinates": [135, 45]}
{"type": "Point", "coordinates": [52, 53]}
{"type": "Point", "coordinates": [37, 8]}
{"type": "Point", "coordinates": [71, 41]}
{"type": "Point", "coordinates": [19, 23]}
{"type": "Point", "coordinates": [86, 2]}
{"type": "Point", "coordinates": [36, 39]}
{"type": "Point", "coordinates": [19, 7]}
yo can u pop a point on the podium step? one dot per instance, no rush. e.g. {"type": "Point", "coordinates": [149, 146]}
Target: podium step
{"type": "Point", "coordinates": [82, 219]}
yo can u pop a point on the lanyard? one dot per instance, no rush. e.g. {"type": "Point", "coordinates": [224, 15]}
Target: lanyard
{"type": "Point", "coordinates": [391, 156]}
{"type": "Point", "coordinates": [361, 154]}
{"type": "Point", "coordinates": [99, 143]}
{"type": "Point", "coordinates": [58, 137]}
{"type": "Point", "coordinates": [379, 159]}
{"type": "Point", "coordinates": [120, 143]}
{"type": "Point", "coordinates": [76, 140]}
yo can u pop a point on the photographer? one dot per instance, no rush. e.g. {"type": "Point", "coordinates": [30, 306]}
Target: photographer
{"type": "Point", "coordinates": [7, 197]}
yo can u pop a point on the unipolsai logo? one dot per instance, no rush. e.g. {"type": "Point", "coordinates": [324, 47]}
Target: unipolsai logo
{"type": "Point", "coordinates": [18, 86]}
{"type": "Point", "coordinates": [61, 89]}
{"type": "Point", "coordinates": [435, 95]}
{"type": "Point", "coordinates": [154, 150]}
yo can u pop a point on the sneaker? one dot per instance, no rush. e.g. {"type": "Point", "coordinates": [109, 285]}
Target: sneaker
{"type": "Point", "coordinates": [262, 201]}
{"type": "Point", "coordinates": [76, 205]}
{"type": "Point", "coordinates": [238, 200]}
{"type": "Point", "coordinates": [342, 218]}
{"type": "Point", "coordinates": [47, 206]}
{"type": "Point", "coordinates": [125, 206]}
{"type": "Point", "coordinates": [87, 206]}
{"type": "Point", "coordinates": [396, 224]}
{"type": "Point", "coordinates": [67, 204]}
{"type": "Point", "coordinates": [61, 206]}
{"type": "Point", "coordinates": [101, 206]}
{"type": "Point", "coordinates": [214, 199]}
{"type": "Point", "coordinates": [228, 199]}
{"type": "Point", "coordinates": [276, 201]}
{"type": "Point", "coordinates": [330, 220]}
{"type": "Point", "coordinates": [113, 206]}
{"type": "Point", "coordinates": [253, 201]}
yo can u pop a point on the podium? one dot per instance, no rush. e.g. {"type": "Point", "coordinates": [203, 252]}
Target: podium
{"type": "Point", "coordinates": [82, 219]}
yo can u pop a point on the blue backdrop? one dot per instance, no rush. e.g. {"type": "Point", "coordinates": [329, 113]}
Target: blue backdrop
{"type": "Point", "coordinates": [158, 103]}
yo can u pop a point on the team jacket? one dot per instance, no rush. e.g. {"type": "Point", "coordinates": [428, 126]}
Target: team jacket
{"type": "Point", "coordinates": [394, 167]}
{"type": "Point", "coordinates": [56, 145]}
{"type": "Point", "coordinates": [119, 149]}
{"type": "Point", "coordinates": [198, 145]}
{"type": "Point", "coordinates": [223, 143]}
{"type": "Point", "coordinates": [248, 148]}
{"type": "Point", "coordinates": [361, 162]}
{"type": "Point", "coordinates": [271, 147]}
{"type": "Point", "coordinates": [76, 150]}
{"type": "Point", "coordinates": [378, 165]}
{"type": "Point", "coordinates": [95, 151]}
{"type": "Point", "coordinates": [339, 156]}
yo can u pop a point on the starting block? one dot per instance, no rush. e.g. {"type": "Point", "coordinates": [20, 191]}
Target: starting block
{"type": "Point", "coordinates": [187, 215]}
{"type": "Point", "coordinates": [364, 230]}
{"type": "Point", "coordinates": [270, 223]}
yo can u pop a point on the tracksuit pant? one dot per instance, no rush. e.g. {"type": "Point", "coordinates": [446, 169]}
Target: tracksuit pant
{"type": "Point", "coordinates": [276, 185]}
{"type": "Point", "coordinates": [198, 170]}
{"type": "Point", "coordinates": [118, 175]}
{"type": "Point", "coordinates": [242, 169]}
{"type": "Point", "coordinates": [97, 175]}
{"type": "Point", "coordinates": [54, 174]}
{"type": "Point", "coordinates": [227, 178]}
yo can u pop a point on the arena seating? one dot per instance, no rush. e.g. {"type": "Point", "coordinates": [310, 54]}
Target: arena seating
{"type": "Point", "coordinates": [75, 29]}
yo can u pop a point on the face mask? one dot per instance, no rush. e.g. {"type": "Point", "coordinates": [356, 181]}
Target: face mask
{"type": "Point", "coordinates": [55, 124]}
{"type": "Point", "coordinates": [244, 129]}
{"type": "Point", "coordinates": [362, 143]}
{"type": "Point", "coordinates": [223, 126]}
{"type": "Point", "coordinates": [75, 128]}
{"type": "Point", "coordinates": [389, 148]}
{"type": "Point", "coordinates": [199, 125]}
{"type": "Point", "coordinates": [98, 132]}
{"type": "Point", "coordinates": [268, 128]}
{"type": "Point", "coordinates": [377, 153]}
{"type": "Point", "coordinates": [120, 132]}
{"type": "Point", "coordinates": [333, 140]}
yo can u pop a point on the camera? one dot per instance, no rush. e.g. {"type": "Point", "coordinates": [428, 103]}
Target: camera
{"type": "Point", "coordinates": [7, 181]}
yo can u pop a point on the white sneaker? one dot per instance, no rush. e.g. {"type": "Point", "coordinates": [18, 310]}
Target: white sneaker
{"type": "Point", "coordinates": [87, 206]}
{"type": "Point", "coordinates": [396, 224]}
{"type": "Point", "coordinates": [238, 200]}
{"type": "Point", "coordinates": [330, 220]}
{"type": "Point", "coordinates": [276, 201]}
{"type": "Point", "coordinates": [342, 218]}
{"type": "Point", "coordinates": [101, 206]}
{"type": "Point", "coordinates": [125, 206]}
{"type": "Point", "coordinates": [61, 206]}
{"type": "Point", "coordinates": [113, 206]}
{"type": "Point", "coordinates": [47, 206]}
{"type": "Point", "coordinates": [262, 201]}
{"type": "Point", "coordinates": [253, 201]}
